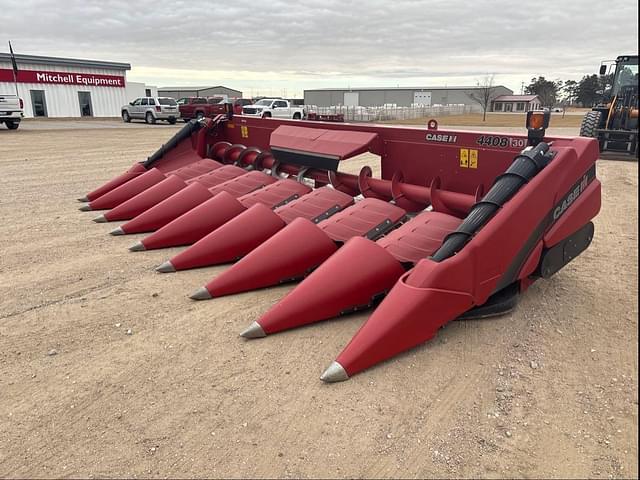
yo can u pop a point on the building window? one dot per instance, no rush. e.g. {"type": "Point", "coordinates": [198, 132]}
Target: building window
{"type": "Point", "coordinates": [147, 92]}
{"type": "Point", "coordinates": [497, 107]}
{"type": "Point", "coordinates": [84, 99]}
{"type": "Point", "coordinates": [38, 103]}
{"type": "Point", "coordinates": [520, 107]}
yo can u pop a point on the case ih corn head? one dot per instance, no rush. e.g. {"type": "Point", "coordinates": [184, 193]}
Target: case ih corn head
{"type": "Point", "coordinates": [458, 226]}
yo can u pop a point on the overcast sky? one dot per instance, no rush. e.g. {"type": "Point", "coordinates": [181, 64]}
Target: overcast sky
{"type": "Point", "coordinates": [282, 47]}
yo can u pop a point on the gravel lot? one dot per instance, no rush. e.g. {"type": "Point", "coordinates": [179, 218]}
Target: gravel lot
{"type": "Point", "coordinates": [549, 390]}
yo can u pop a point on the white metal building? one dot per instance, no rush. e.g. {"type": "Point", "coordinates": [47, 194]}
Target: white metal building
{"type": "Point", "coordinates": [398, 96]}
{"type": "Point", "coordinates": [66, 87]}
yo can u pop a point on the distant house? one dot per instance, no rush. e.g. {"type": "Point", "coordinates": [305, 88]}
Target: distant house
{"type": "Point", "coordinates": [516, 103]}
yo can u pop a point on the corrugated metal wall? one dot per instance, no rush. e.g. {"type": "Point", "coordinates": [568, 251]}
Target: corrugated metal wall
{"type": "Point", "coordinates": [400, 97]}
{"type": "Point", "coordinates": [62, 100]}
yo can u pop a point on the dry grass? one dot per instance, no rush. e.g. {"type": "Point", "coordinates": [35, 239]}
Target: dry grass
{"type": "Point", "coordinates": [493, 120]}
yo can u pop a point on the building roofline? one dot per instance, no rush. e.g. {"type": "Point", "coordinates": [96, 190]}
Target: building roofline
{"type": "Point", "coordinates": [67, 62]}
{"type": "Point", "coordinates": [352, 89]}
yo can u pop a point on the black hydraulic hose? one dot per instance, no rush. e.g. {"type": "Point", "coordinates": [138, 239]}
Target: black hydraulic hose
{"type": "Point", "coordinates": [524, 167]}
{"type": "Point", "coordinates": [185, 132]}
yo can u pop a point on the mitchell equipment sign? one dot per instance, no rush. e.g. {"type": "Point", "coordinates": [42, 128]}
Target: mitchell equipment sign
{"type": "Point", "coordinates": [63, 78]}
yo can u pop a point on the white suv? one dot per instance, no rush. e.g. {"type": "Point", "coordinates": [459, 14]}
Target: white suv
{"type": "Point", "coordinates": [151, 109]}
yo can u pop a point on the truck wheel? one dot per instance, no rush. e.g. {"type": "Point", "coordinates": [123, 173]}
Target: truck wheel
{"type": "Point", "coordinates": [126, 117]}
{"type": "Point", "coordinates": [12, 125]}
{"type": "Point", "coordinates": [590, 123]}
{"type": "Point", "coordinates": [172, 121]}
{"type": "Point", "coordinates": [297, 116]}
{"type": "Point", "coordinates": [266, 115]}
{"type": "Point", "coordinates": [149, 118]}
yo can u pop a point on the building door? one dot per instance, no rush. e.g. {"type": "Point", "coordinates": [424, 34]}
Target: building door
{"type": "Point", "coordinates": [351, 99]}
{"type": "Point", "coordinates": [422, 99]}
{"type": "Point", "coordinates": [86, 110]}
{"type": "Point", "coordinates": [508, 107]}
{"type": "Point", "coordinates": [38, 103]}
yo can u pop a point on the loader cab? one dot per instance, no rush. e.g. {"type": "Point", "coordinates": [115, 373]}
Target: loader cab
{"type": "Point", "coordinates": [626, 74]}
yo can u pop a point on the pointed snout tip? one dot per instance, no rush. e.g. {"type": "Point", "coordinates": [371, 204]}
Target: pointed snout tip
{"type": "Point", "coordinates": [83, 199]}
{"type": "Point", "coordinates": [117, 231]}
{"type": "Point", "coordinates": [85, 208]}
{"type": "Point", "coordinates": [137, 247]}
{"type": "Point", "coordinates": [200, 294]}
{"type": "Point", "coordinates": [100, 219]}
{"type": "Point", "coordinates": [335, 373]}
{"type": "Point", "coordinates": [166, 267]}
{"type": "Point", "coordinates": [253, 331]}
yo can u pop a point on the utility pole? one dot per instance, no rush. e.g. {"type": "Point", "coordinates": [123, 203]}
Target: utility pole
{"type": "Point", "coordinates": [522, 88]}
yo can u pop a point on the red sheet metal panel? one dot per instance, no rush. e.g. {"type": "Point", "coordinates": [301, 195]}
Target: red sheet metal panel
{"type": "Point", "coordinates": [218, 176]}
{"type": "Point", "coordinates": [337, 144]}
{"type": "Point", "coordinates": [196, 169]}
{"type": "Point", "coordinates": [315, 206]}
{"type": "Point", "coordinates": [420, 237]}
{"type": "Point", "coordinates": [362, 220]}
{"type": "Point", "coordinates": [276, 194]}
{"type": "Point", "coordinates": [244, 184]}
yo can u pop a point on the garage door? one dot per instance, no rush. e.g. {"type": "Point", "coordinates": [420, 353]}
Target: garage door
{"type": "Point", "coordinates": [351, 99]}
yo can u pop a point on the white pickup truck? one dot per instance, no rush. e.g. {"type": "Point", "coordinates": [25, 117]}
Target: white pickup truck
{"type": "Point", "coordinates": [10, 111]}
{"type": "Point", "coordinates": [273, 107]}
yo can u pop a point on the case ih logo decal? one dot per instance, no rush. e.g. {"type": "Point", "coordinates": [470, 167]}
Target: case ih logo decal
{"type": "Point", "coordinates": [442, 138]}
{"type": "Point", "coordinates": [63, 78]}
{"type": "Point", "coordinates": [571, 197]}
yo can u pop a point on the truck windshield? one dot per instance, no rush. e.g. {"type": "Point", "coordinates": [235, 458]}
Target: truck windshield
{"type": "Point", "coordinates": [265, 102]}
{"type": "Point", "coordinates": [167, 101]}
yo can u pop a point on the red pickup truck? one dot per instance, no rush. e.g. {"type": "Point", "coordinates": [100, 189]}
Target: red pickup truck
{"type": "Point", "coordinates": [199, 107]}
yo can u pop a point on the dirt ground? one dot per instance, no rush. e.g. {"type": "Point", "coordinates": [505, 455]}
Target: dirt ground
{"type": "Point", "coordinates": [549, 390]}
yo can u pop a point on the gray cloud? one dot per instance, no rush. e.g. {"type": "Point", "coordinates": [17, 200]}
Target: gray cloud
{"type": "Point", "coordinates": [330, 42]}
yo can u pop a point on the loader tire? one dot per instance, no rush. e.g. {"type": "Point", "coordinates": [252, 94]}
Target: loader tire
{"type": "Point", "coordinates": [590, 123]}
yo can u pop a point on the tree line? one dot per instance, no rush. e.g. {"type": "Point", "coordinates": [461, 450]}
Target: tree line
{"type": "Point", "coordinates": [585, 92]}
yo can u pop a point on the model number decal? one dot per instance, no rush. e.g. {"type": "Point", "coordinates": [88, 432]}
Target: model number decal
{"type": "Point", "coordinates": [501, 142]}
{"type": "Point", "coordinates": [442, 137]}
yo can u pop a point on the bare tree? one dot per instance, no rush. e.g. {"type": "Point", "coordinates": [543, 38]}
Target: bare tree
{"type": "Point", "coordinates": [486, 93]}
